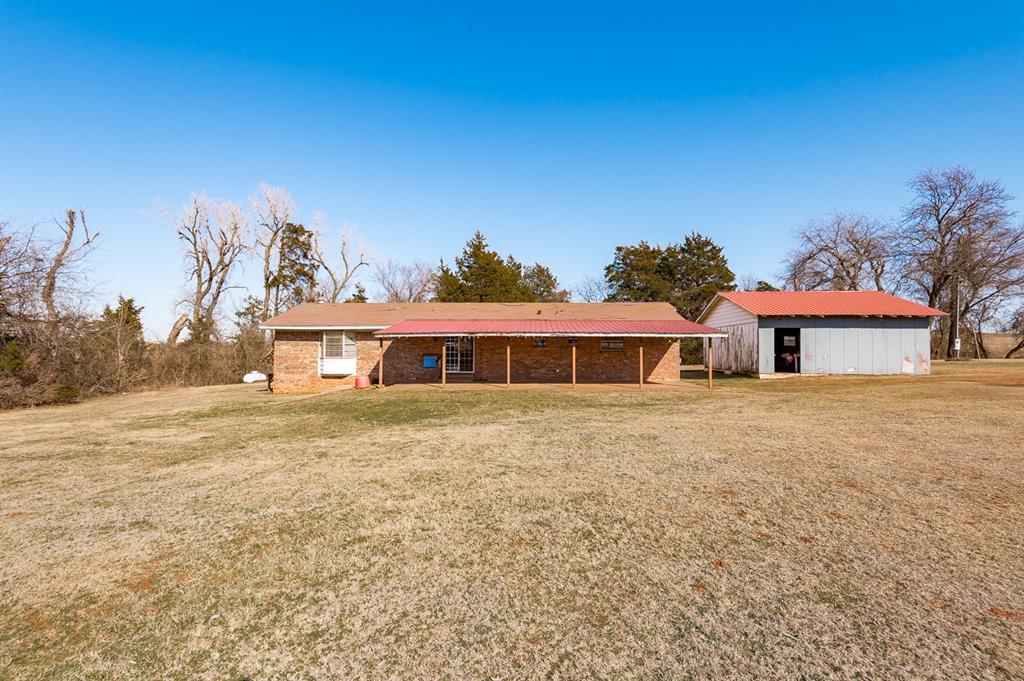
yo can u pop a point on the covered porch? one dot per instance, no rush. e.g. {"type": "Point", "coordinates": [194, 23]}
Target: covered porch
{"type": "Point", "coordinates": [564, 353]}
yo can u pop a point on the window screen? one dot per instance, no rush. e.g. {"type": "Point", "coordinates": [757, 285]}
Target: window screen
{"type": "Point", "coordinates": [339, 345]}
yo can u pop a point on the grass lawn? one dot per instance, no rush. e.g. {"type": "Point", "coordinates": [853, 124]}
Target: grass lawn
{"type": "Point", "coordinates": [807, 527]}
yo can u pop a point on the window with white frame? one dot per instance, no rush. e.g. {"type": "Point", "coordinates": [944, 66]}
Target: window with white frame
{"type": "Point", "coordinates": [459, 354]}
{"type": "Point", "coordinates": [339, 345]}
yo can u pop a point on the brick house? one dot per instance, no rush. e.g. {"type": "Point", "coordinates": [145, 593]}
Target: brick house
{"type": "Point", "coordinates": [319, 345]}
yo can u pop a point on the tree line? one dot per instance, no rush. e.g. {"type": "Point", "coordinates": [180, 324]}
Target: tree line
{"type": "Point", "coordinates": [955, 246]}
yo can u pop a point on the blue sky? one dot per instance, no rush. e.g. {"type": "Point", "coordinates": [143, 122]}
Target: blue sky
{"type": "Point", "coordinates": [558, 132]}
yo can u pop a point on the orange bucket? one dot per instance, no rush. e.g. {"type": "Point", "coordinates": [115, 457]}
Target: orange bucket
{"type": "Point", "coordinates": [362, 382]}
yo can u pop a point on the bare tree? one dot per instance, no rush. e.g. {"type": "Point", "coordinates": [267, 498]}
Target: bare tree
{"type": "Point", "coordinates": [845, 252]}
{"type": "Point", "coordinates": [272, 209]}
{"type": "Point", "coordinates": [1016, 327]}
{"type": "Point", "coordinates": [946, 204]}
{"type": "Point", "coordinates": [68, 254]}
{"type": "Point", "coordinates": [337, 276]}
{"type": "Point", "coordinates": [212, 235]}
{"type": "Point", "coordinates": [958, 248]}
{"type": "Point", "coordinates": [22, 269]}
{"type": "Point", "coordinates": [592, 290]}
{"type": "Point", "coordinates": [404, 283]}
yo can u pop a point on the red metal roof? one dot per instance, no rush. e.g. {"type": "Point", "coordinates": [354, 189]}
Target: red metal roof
{"type": "Point", "coordinates": [672, 328]}
{"type": "Point", "coordinates": [826, 304]}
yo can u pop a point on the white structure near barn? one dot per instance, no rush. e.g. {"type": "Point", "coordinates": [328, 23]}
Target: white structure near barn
{"type": "Point", "coordinates": [819, 332]}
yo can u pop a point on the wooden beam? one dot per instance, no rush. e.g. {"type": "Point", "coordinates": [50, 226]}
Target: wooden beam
{"type": "Point", "coordinates": [641, 365]}
{"type": "Point", "coordinates": [380, 369]}
{"type": "Point", "coordinates": [444, 362]}
{"type": "Point", "coordinates": [711, 362]}
{"type": "Point", "coordinates": [574, 366]}
{"type": "Point", "coordinates": [508, 363]}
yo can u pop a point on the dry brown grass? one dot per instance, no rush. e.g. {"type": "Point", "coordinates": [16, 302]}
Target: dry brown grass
{"type": "Point", "coordinates": [809, 527]}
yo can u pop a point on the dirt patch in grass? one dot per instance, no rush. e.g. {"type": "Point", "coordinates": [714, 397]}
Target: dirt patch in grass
{"type": "Point", "coordinates": [809, 527]}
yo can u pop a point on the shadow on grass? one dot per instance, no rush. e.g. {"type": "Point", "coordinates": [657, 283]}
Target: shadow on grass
{"type": "Point", "coordinates": [720, 376]}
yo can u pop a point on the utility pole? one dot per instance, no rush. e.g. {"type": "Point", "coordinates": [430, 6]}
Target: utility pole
{"type": "Point", "coordinates": [956, 342]}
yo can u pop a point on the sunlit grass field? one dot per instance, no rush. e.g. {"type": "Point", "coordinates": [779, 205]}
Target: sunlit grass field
{"type": "Point", "coordinates": [812, 526]}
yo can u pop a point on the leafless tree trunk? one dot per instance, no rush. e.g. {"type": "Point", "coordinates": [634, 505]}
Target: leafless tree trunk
{"type": "Point", "coordinates": [67, 254]}
{"type": "Point", "coordinates": [338, 276]}
{"type": "Point", "coordinates": [273, 209]}
{"type": "Point", "coordinates": [404, 283]}
{"type": "Point", "coordinates": [213, 239]}
{"type": "Point", "coordinates": [979, 341]}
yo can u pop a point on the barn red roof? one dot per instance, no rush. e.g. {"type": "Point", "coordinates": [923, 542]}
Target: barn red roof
{"type": "Point", "coordinates": [825, 304]}
{"type": "Point", "coordinates": [672, 328]}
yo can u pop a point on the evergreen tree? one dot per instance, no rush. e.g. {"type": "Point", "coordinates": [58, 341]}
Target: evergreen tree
{"type": "Point", "coordinates": [295, 279]}
{"type": "Point", "coordinates": [126, 315]}
{"type": "Point", "coordinates": [358, 296]}
{"type": "Point", "coordinates": [636, 274]}
{"type": "Point", "coordinates": [118, 344]}
{"type": "Point", "coordinates": [697, 270]}
{"type": "Point", "coordinates": [12, 359]}
{"type": "Point", "coordinates": [687, 275]}
{"type": "Point", "coordinates": [480, 276]}
{"type": "Point", "coordinates": [250, 315]}
{"type": "Point", "coordinates": [544, 285]}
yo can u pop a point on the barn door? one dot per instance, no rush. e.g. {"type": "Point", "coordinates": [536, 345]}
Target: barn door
{"type": "Point", "coordinates": [787, 351]}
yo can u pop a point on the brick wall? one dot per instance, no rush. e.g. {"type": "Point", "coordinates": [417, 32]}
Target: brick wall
{"type": "Point", "coordinates": [296, 354]}
{"type": "Point", "coordinates": [553, 363]}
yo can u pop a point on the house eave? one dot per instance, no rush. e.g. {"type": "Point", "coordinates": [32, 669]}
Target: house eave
{"type": "Point", "coordinates": [322, 327]}
{"type": "Point", "coordinates": [557, 334]}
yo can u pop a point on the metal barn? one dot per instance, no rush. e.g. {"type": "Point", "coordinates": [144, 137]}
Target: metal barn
{"type": "Point", "coordinates": [819, 332]}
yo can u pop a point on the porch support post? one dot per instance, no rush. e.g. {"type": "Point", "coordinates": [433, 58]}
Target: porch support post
{"type": "Point", "coordinates": [380, 369]}
{"type": "Point", "coordinates": [641, 363]}
{"type": "Point", "coordinates": [574, 365]}
{"type": "Point", "coordinates": [444, 363]}
{"type": "Point", "coordinates": [508, 363]}
{"type": "Point", "coordinates": [711, 362]}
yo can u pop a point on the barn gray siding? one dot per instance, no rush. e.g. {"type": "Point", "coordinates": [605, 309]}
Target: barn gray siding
{"type": "Point", "coordinates": [851, 345]}
{"type": "Point", "coordinates": [738, 352]}
{"type": "Point", "coordinates": [765, 349]}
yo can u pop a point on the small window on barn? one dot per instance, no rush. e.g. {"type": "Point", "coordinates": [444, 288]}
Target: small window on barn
{"type": "Point", "coordinates": [339, 345]}
{"type": "Point", "coordinates": [612, 345]}
{"type": "Point", "coordinates": [539, 342]}
{"type": "Point", "coordinates": [571, 342]}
